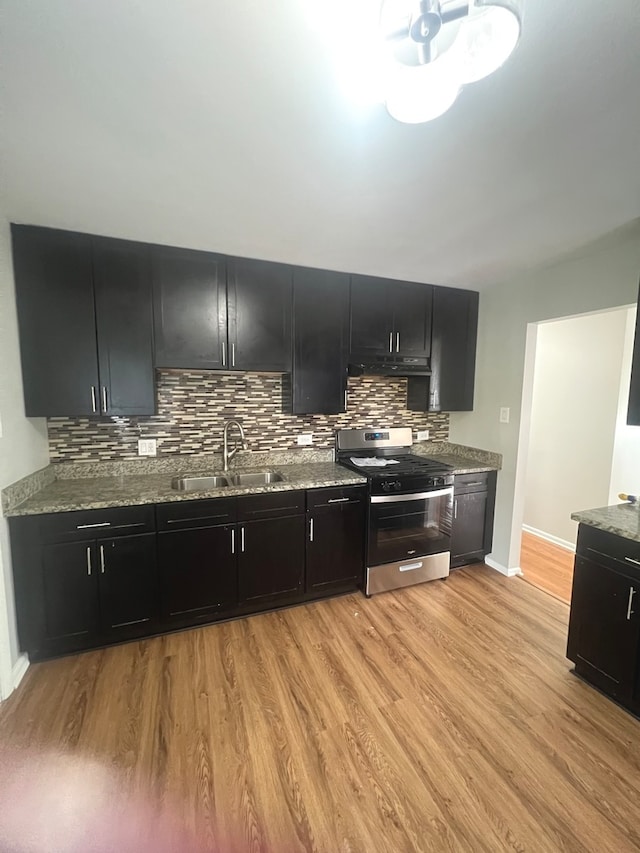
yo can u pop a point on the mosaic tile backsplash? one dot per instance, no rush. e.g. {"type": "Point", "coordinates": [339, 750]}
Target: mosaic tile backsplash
{"type": "Point", "coordinates": [192, 408]}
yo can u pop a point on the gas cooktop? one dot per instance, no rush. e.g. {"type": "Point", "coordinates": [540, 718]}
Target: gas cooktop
{"type": "Point", "coordinates": [381, 453]}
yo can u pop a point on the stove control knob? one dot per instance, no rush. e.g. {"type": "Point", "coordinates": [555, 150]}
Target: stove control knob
{"type": "Point", "coordinates": [397, 486]}
{"type": "Point", "coordinates": [386, 485]}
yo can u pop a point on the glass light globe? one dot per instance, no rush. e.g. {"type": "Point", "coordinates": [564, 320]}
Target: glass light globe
{"type": "Point", "coordinates": [486, 39]}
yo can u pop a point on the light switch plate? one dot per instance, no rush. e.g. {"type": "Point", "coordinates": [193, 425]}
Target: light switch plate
{"type": "Point", "coordinates": [146, 447]}
{"type": "Point", "coordinates": [422, 435]}
{"type": "Point", "coordinates": [504, 414]}
{"type": "Point", "coordinates": [305, 438]}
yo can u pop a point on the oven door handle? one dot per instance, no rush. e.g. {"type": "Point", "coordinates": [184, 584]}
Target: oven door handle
{"type": "Point", "coordinates": [416, 496]}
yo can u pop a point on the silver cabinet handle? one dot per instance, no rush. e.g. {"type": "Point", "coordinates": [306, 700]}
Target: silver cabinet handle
{"type": "Point", "coordinates": [242, 539]}
{"type": "Point", "coordinates": [233, 355]}
{"type": "Point", "coordinates": [89, 560]}
{"type": "Point", "coordinates": [94, 406]}
{"type": "Point", "coordinates": [630, 612]}
{"type": "Point", "coordinates": [310, 530]}
{"type": "Point", "coordinates": [397, 341]}
{"type": "Point", "coordinates": [479, 483]}
{"type": "Point", "coordinates": [233, 540]}
{"type": "Point", "coordinates": [390, 341]}
{"type": "Point", "coordinates": [89, 526]}
{"type": "Point", "coordinates": [102, 559]}
{"type": "Point", "coordinates": [104, 398]}
{"type": "Point", "coordinates": [631, 560]}
{"type": "Point", "coordinates": [337, 500]}
{"type": "Point", "coordinates": [345, 400]}
{"type": "Point", "coordinates": [224, 353]}
{"type": "Point", "coordinates": [455, 508]}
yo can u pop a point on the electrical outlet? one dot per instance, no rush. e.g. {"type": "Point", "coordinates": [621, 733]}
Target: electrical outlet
{"type": "Point", "coordinates": [422, 435]}
{"type": "Point", "coordinates": [505, 413]}
{"type": "Point", "coordinates": [146, 447]}
{"type": "Point", "coordinates": [305, 438]}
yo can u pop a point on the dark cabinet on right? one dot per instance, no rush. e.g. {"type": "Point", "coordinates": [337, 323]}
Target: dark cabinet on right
{"type": "Point", "coordinates": [389, 317]}
{"type": "Point", "coordinates": [453, 355]}
{"type": "Point", "coordinates": [604, 622]}
{"type": "Point", "coordinates": [473, 513]}
{"type": "Point", "coordinates": [335, 538]}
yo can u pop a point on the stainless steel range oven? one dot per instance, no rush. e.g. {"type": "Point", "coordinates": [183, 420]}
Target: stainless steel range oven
{"type": "Point", "coordinates": [410, 508]}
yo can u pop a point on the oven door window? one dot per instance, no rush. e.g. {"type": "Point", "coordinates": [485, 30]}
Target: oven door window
{"type": "Point", "coordinates": [403, 527]}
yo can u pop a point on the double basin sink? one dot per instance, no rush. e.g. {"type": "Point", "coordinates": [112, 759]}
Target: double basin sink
{"type": "Point", "coordinates": [221, 481]}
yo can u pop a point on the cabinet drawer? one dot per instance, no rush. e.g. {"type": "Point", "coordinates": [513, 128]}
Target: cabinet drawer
{"type": "Point", "coordinates": [335, 496]}
{"type": "Point", "coordinates": [190, 514]}
{"type": "Point", "coordinates": [270, 505]}
{"type": "Point", "coordinates": [607, 549]}
{"type": "Point", "coordinates": [464, 483]}
{"type": "Point", "coordinates": [94, 523]}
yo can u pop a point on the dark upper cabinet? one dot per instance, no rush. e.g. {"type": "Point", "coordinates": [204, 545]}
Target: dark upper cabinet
{"type": "Point", "coordinates": [56, 315]}
{"type": "Point", "coordinates": [633, 412]}
{"type": "Point", "coordinates": [190, 309]}
{"type": "Point", "coordinates": [320, 333]}
{"type": "Point", "coordinates": [390, 317]}
{"type": "Point", "coordinates": [124, 324]}
{"type": "Point", "coordinates": [259, 315]}
{"type": "Point", "coordinates": [128, 583]}
{"type": "Point", "coordinates": [453, 355]}
{"type": "Point", "coordinates": [84, 313]}
{"type": "Point", "coordinates": [604, 628]}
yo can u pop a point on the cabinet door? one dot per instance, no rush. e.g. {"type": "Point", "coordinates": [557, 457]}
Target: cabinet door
{"type": "Point", "coordinates": [128, 581]}
{"type": "Point", "coordinates": [604, 627]}
{"type": "Point", "coordinates": [371, 317]}
{"type": "Point", "coordinates": [56, 317]}
{"type": "Point", "coordinates": [124, 324]}
{"type": "Point", "coordinates": [259, 306]}
{"type": "Point", "coordinates": [271, 558]}
{"type": "Point", "coordinates": [468, 529]}
{"type": "Point", "coordinates": [335, 545]}
{"type": "Point", "coordinates": [198, 571]}
{"type": "Point", "coordinates": [70, 590]}
{"type": "Point", "coordinates": [190, 309]}
{"type": "Point", "coordinates": [453, 350]}
{"type": "Point", "coordinates": [320, 324]}
{"type": "Point", "coordinates": [411, 318]}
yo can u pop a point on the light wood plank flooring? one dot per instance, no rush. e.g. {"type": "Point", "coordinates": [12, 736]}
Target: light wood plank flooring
{"type": "Point", "coordinates": [441, 717]}
{"type": "Point", "coordinates": [547, 566]}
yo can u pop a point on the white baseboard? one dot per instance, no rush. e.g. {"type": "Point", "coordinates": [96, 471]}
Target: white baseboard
{"type": "Point", "coordinates": [19, 670]}
{"type": "Point", "coordinates": [513, 572]}
{"type": "Point", "coordinates": [562, 543]}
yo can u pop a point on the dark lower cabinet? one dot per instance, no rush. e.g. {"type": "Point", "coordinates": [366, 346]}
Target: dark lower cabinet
{"type": "Point", "coordinates": [128, 584]}
{"type": "Point", "coordinates": [604, 622]}
{"type": "Point", "coordinates": [69, 582]}
{"type": "Point", "coordinates": [198, 571]}
{"type": "Point", "coordinates": [335, 538]}
{"type": "Point", "coordinates": [473, 513]}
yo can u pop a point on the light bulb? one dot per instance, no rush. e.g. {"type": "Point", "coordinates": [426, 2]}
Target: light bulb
{"type": "Point", "coordinates": [424, 92]}
{"type": "Point", "coordinates": [486, 39]}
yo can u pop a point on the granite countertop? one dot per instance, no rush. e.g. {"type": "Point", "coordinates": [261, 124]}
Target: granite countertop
{"type": "Point", "coordinates": [622, 520]}
{"type": "Point", "coordinates": [65, 495]}
{"type": "Point", "coordinates": [99, 485]}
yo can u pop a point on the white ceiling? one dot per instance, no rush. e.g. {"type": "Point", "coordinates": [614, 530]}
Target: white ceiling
{"type": "Point", "coordinates": [220, 125]}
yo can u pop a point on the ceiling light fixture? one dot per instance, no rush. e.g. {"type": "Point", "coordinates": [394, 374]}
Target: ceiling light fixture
{"type": "Point", "coordinates": [432, 48]}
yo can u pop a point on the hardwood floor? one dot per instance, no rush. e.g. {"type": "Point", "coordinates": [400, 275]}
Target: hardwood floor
{"type": "Point", "coordinates": [547, 566]}
{"type": "Point", "coordinates": [441, 717]}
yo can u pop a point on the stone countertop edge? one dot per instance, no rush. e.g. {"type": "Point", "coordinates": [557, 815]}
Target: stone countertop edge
{"type": "Point", "coordinates": [70, 495]}
{"type": "Point", "coordinates": [622, 520]}
{"type": "Point", "coordinates": [463, 459]}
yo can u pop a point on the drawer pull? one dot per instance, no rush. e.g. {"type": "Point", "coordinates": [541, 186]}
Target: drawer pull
{"type": "Point", "coordinates": [410, 567]}
{"type": "Point", "coordinates": [89, 526]}
{"type": "Point", "coordinates": [89, 560]}
{"type": "Point", "coordinates": [631, 560]}
{"type": "Point", "coordinates": [630, 612]}
{"type": "Point", "coordinates": [478, 483]}
{"type": "Point", "coordinates": [337, 500]}
{"type": "Point", "coordinates": [194, 518]}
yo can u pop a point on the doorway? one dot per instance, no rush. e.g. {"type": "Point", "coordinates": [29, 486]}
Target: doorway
{"type": "Point", "coordinates": [577, 442]}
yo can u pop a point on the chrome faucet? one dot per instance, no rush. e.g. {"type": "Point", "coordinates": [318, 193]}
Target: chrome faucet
{"type": "Point", "coordinates": [227, 455]}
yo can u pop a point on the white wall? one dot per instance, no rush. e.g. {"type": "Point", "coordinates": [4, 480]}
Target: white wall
{"type": "Point", "coordinates": [23, 449]}
{"type": "Point", "coordinates": [602, 275]}
{"type": "Point", "coordinates": [576, 389]}
{"type": "Point", "coordinates": [625, 468]}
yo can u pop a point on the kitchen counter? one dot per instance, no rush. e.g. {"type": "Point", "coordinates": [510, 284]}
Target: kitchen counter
{"type": "Point", "coordinates": [622, 520]}
{"type": "Point", "coordinates": [65, 495]}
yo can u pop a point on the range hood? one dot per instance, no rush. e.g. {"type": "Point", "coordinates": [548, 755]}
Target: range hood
{"type": "Point", "coordinates": [389, 365]}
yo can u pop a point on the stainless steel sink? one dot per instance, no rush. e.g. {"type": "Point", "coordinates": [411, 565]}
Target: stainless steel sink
{"type": "Point", "coordinates": [258, 478]}
{"type": "Point", "coordinates": [193, 484]}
